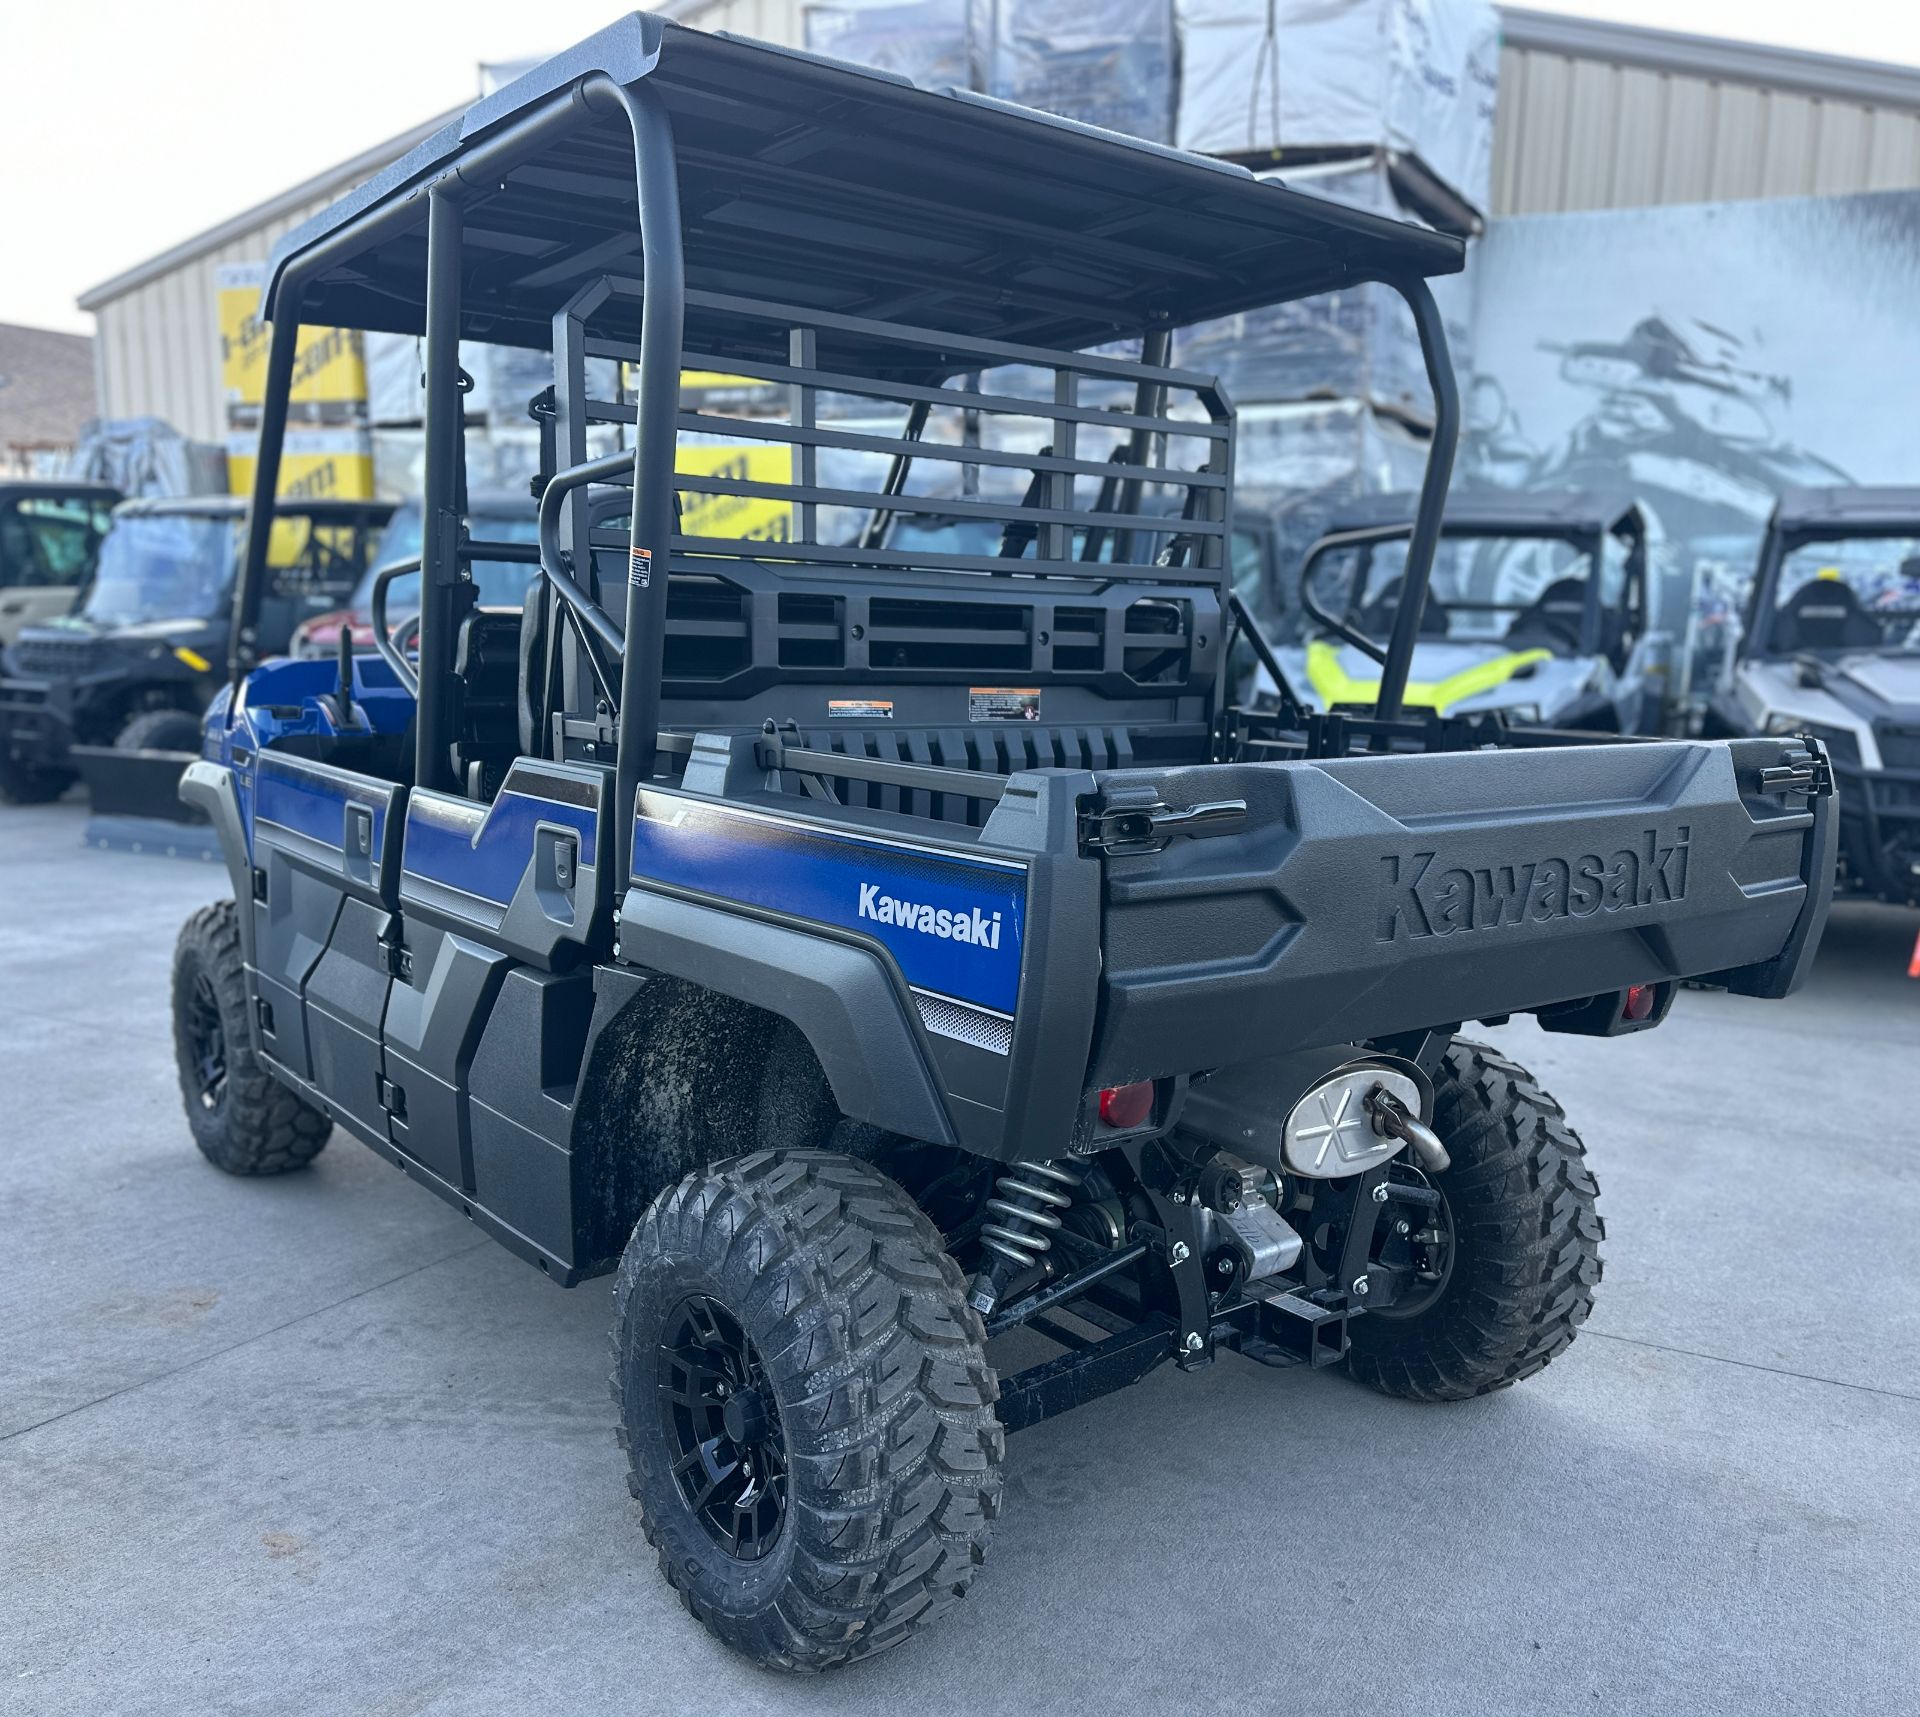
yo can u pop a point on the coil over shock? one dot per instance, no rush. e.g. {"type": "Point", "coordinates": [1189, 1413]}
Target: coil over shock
{"type": "Point", "coordinates": [1023, 1218]}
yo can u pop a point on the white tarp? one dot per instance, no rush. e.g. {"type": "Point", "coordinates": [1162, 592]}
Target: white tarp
{"type": "Point", "coordinates": [940, 44]}
{"type": "Point", "coordinates": [1110, 64]}
{"type": "Point", "coordinates": [146, 456]}
{"type": "Point", "coordinates": [1415, 76]}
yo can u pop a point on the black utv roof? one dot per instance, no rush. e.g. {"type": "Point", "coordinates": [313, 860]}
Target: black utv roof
{"type": "Point", "coordinates": [56, 489]}
{"type": "Point", "coordinates": [1850, 507]}
{"type": "Point", "coordinates": [235, 507]}
{"type": "Point", "coordinates": [1509, 512]}
{"type": "Point", "coordinates": [832, 187]}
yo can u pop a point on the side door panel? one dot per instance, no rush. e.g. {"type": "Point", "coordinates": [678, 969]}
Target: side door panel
{"type": "Point", "coordinates": [525, 873]}
{"type": "Point", "coordinates": [434, 1018]}
{"type": "Point", "coordinates": [485, 891]}
{"type": "Point", "coordinates": [323, 837]}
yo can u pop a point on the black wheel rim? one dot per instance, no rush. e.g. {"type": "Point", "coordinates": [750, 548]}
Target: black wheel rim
{"type": "Point", "coordinates": [207, 1042]}
{"type": "Point", "coordinates": [723, 1428]}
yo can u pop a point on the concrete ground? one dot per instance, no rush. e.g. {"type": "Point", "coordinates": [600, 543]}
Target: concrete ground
{"type": "Point", "coordinates": [312, 1446]}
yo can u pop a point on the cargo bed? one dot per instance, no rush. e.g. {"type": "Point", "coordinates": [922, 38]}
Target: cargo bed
{"type": "Point", "coordinates": [1365, 896]}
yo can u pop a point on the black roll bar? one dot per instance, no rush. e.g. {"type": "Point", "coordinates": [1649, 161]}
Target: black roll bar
{"type": "Point", "coordinates": [242, 654]}
{"type": "Point", "coordinates": [390, 651]}
{"type": "Point", "coordinates": [441, 524]}
{"type": "Point", "coordinates": [281, 307]}
{"type": "Point", "coordinates": [1433, 494]}
{"type": "Point", "coordinates": [609, 468]}
{"type": "Point", "coordinates": [655, 440]}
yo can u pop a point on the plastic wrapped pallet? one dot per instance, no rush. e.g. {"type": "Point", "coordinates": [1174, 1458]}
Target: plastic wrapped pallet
{"type": "Point", "coordinates": [146, 456]}
{"type": "Point", "coordinates": [1359, 343]}
{"type": "Point", "coordinates": [1297, 463]}
{"type": "Point", "coordinates": [1111, 64]}
{"type": "Point", "coordinates": [939, 44]}
{"type": "Point", "coordinates": [505, 378]}
{"type": "Point", "coordinates": [1417, 77]}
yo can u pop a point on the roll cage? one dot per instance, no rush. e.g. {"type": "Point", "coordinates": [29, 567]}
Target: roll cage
{"type": "Point", "coordinates": [1583, 522]}
{"type": "Point", "coordinates": [837, 232]}
{"type": "Point", "coordinates": [1803, 516]}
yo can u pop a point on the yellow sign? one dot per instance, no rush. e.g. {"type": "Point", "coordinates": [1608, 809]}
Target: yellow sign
{"type": "Point", "coordinates": [329, 364]}
{"type": "Point", "coordinates": [736, 516]}
{"type": "Point", "coordinates": [315, 465]}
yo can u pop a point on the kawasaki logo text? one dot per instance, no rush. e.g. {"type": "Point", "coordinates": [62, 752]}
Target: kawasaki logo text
{"type": "Point", "coordinates": [977, 927]}
{"type": "Point", "coordinates": [1418, 899]}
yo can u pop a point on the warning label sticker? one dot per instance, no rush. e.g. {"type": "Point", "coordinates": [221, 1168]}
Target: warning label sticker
{"type": "Point", "coordinates": [1003, 703]}
{"type": "Point", "coordinates": [860, 709]}
{"type": "Point", "coordinates": [640, 567]}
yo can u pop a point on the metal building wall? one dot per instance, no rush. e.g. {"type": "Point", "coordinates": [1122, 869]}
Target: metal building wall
{"type": "Point", "coordinates": [158, 344]}
{"type": "Point", "coordinates": [1594, 116]}
{"type": "Point", "coordinates": [1591, 116]}
{"type": "Point", "coordinates": [157, 327]}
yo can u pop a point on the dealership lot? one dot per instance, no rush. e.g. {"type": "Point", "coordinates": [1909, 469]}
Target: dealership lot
{"type": "Point", "coordinates": [320, 1436]}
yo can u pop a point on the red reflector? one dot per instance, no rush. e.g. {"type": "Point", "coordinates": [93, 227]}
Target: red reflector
{"type": "Point", "coordinates": [1127, 1105]}
{"type": "Point", "coordinates": [1639, 1002]}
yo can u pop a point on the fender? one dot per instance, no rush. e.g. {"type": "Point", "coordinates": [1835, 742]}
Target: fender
{"type": "Point", "coordinates": [208, 787]}
{"type": "Point", "coordinates": [842, 998]}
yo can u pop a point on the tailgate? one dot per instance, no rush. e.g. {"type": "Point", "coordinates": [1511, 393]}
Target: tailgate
{"type": "Point", "coordinates": [1370, 895]}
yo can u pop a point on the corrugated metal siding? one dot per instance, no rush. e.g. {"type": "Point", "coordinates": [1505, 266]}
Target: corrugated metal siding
{"type": "Point", "coordinates": [1579, 133]}
{"type": "Point", "coordinates": [1576, 130]}
{"type": "Point", "coordinates": [158, 345]}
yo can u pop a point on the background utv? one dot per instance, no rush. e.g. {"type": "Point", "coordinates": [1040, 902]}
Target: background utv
{"type": "Point", "coordinates": [577, 919]}
{"type": "Point", "coordinates": [137, 664]}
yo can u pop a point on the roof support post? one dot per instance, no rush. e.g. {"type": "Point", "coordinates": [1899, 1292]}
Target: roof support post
{"type": "Point", "coordinates": [1433, 494]}
{"type": "Point", "coordinates": [656, 437]}
{"type": "Point", "coordinates": [243, 655]}
{"type": "Point", "coordinates": [440, 569]}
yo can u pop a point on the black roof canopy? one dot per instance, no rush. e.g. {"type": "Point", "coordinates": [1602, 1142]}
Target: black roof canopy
{"type": "Point", "coordinates": [1886, 511]}
{"type": "Point", "coordinates": [329, 510]}
{"type": "Point", "coordinates": [1509, 512]}
{"type": "Point", "coordinates": [833, 188]}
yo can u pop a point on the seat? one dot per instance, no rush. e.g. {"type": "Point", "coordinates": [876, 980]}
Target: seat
{"type": "Point", "coordinates": [1824, 614]}
{"type": "Point", "coordinates": [1554, 618]}
{"type": "Point", "coordinates": [1377, 617]}
{"type": "Point", "coordinates": [533, 664]}
{"type": "Point", "coordinates": [486, 659]}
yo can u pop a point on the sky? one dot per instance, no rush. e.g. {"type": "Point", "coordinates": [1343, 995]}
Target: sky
{"type": "Point", "coordinates": [130, 125]}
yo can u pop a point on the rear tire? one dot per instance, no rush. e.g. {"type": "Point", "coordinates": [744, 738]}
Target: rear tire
{"type": "Point", "coordinates": [243, 1119]}
{"type": "Point", "coordinates": [1526, 1233]}
{"type": "Point", "coordinates": [853, 1500]}
{"type": "Point", "coordinates": [159, 730]}
{"type": "Point", "coordinates": [24, 784]}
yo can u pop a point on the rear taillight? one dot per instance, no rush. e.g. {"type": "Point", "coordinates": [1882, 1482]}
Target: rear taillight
{"type": "Point", "coordinates": [1639, 1004]}
{"type": "Point", "coordinates": [1127, 1105]}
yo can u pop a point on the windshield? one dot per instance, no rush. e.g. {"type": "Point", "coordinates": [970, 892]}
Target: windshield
{"type": "Point", "coordinates": [1848, 594]}
{"type": "Point", "coordinates": [1496, 590]}
{"type": "Point", "coordinates": [163, 566]}
{"type": "Point", "coordinates": [497, 583]}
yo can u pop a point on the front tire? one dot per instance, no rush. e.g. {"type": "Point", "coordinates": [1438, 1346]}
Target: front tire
{"type": "Point", "coordinates": [806, 1406]}
{"type": "Point", "coordinates": [27, 784]}
{"type": "Point", "coordinates": [243, 1119]}
{"type": "Point", "coordinates": [1525, 1237]}
{"type": "Point", "coordinates": [159, 730]}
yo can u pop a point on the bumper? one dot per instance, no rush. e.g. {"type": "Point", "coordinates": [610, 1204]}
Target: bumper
{"type": "Point", "coordinates": [37, 722]}
{"type": "Point", "coordinates": [1880, 830]}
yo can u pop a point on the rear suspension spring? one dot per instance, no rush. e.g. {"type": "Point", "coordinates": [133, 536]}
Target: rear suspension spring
{"type": "Point", "coordinates": [1025, 1215]}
